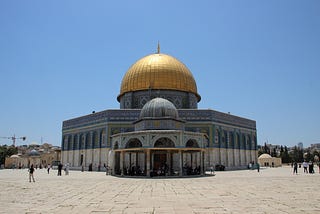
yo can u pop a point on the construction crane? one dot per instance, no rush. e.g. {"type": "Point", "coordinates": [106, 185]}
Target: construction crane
{"type": "Point", "coordinates": [14, 138]}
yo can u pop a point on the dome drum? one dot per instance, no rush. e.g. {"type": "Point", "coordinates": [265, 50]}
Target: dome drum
{"type": "Point", "coordinates": [159, 124]}
{"type": "Point", "coordinates": [137, 99]}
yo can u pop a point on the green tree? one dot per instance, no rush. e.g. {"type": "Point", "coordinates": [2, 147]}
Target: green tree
{"type": "Point", "coordinates": [297, 154]}
{"type": "Point", "coordinates": [7, 151]}
{"type": "Point", "coordinates": [285, 156]}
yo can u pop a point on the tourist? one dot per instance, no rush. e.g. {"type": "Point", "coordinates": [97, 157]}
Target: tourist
{"type": "Point", "coordinates": [31, 171]}
{"type": "Point", "coordinates": [66, 169]}
{"type": "Point", "coordinates": [295, 168]}
{"type": "Point", "coordinates": [311, 170]}
{"type": "Point", "coordinates": [258, 167]}
{"type": "Point", "coordinates": [48, 169]}
{"type": "Point", "coordinates": [107, 169]}
{"type": "Point", "coordinates": [305, 166]}
{"type": "Point", "coordinates": [59, 169]}
{"type": "Point", "coordinates": [211, 170]}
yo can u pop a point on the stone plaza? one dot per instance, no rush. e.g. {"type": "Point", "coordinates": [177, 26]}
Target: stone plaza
{"type": "Point", "coordinates": [272, 190]}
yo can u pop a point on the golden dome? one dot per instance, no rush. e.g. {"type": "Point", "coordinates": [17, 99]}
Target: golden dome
{"type": "Point", "coordinates": [158, 71]}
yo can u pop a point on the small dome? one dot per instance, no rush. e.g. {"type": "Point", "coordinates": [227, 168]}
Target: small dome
{"type": "Point", "coordinates": [14, 156]}
{"type": "Point", "coordinates": [264, 156]}
{"type": "Point", "coordinates": [159, 107]}
{"type": "Point", "coordinates": [34, 152]}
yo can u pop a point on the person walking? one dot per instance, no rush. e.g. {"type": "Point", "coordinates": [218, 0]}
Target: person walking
{"type": "Point", "coordinates": [31, 171]}
{"type": "Point", "coordinates": [258, 167]}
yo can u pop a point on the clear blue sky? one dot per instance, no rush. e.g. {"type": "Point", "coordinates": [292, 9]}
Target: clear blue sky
{"type": "Point", "coordinates": [256, 59]}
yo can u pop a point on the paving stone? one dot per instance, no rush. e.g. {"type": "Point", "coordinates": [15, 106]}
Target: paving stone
{"type": "Point", "coordinates": [273, 190]}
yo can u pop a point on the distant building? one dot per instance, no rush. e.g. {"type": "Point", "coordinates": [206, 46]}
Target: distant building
{"type": "Point", "coordinates": [38, 155]}
{"type": "Point", "coordinates": [267, 161]}
{"type": "Point", "coordinates": [300, 145]}
{"type": "Point", "coordinates": [315, 147]}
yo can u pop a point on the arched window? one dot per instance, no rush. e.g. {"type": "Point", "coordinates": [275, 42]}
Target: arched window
{"type": "Point", "coordinates": [243, 143]}
{"type": "Point", "coordinates": [75, 142]}
{"type": "Point", "coordinates": [70, 147]}
{"type": "Point", "coordinates": [95, 139]}
{"type": "Point", "coordinates": [231, 139]}
{"type": "Point", "coordinates": [164, 142]}
{"type": "Point", "coordinates": [192, 144]}
{"type": "Point", "coordinates": [103, 137]}
{"type": "Point", "coordinates": [254, 143]}
{"type": "Point", "coordinates": [248, 146]}
{"type": "Point", "coordinates": [116, 145]}
{"type": "Point", "coordinates": [133, 143]}
{"type": "Point", "coordinates": [238, 141]}
{"type": "Point", "coordinates": [224, 140]}
{"type": "Point", "coordinates": [82, 142]}
{"type": "Point", "coordinates": [88, 143]}
{"type": "Point", "coordinates": [65, 143]}
{"type": "Point", "coordinates": [218, 138]}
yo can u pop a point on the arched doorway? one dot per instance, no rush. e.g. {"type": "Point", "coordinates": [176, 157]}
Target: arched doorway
{"type": "Point", "coordinates": [134, 158]}
{"type": "Point", "coordinates": [162, 158]}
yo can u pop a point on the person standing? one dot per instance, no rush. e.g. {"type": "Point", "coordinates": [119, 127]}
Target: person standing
{"type": "Point", "coordinates": [48, 169]}
{"type": "Point", "coordinates": [211, 170]}
{"type": "Point", "coordinates": [258, 167]}
{"type": "Point", "coordinates": [305, 166]}
{"type": "Point", "coordinates": [311, 170]}
{"type": "Point", "coordinates": [295, 168]}
{"type": "Point", "coordinates": [31, 171]}
{"type": "Point", "coordinates": [67, 168]}
{"type": "Point", "coordinates": [59, 169]}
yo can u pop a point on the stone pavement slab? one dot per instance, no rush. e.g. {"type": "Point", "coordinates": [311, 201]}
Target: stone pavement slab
{"type": "Point", "coordinates": [273, 190]}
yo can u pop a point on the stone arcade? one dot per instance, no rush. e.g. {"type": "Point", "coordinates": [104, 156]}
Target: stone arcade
{"type": "Point", "coordinates": [158, 129]}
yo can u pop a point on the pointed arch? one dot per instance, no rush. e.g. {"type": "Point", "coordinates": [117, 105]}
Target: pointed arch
{"type": "Point", "coordinates": [133, 143]}
{"type": "Point", "coordinates": [164, 142]}
{"type": "Point", "coordinates": [116, 145]}
{"type": "Point", "coordinates": [192, 143]}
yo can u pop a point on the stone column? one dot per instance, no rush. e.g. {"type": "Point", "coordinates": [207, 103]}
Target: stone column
{"type": "Point", "coordinates": [92, 148]}
{"type": "Point", "coordinates": [201, 162]}
{"type": "Point", "coordinates": [73, 149]}
{"type": "Point", "coordinates": [99, 149]}
{"type": "Point", "coordinates": [239, 146]}
{"type": "Point", "coordinates": [148, 162]}
{"type": "Point", "coordinates": [169, 162]}
{"type": "Point", "coordinates": [245, 150]}
{"type": "Point", "coordinates": [180, 163]}
{"type": "Point", "coordinates": [121, 162]}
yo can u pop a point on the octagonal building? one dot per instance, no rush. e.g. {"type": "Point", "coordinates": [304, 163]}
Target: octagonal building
{"type": "Point", "coordinates": [158, 130]}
